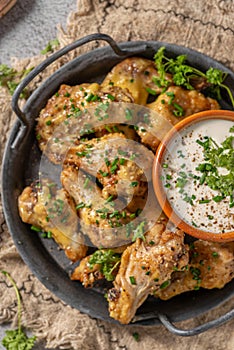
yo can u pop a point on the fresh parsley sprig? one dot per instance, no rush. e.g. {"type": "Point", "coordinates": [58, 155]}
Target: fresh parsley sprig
{"type": "Point", "coordinates": [51, 46]}
{"type": "Point", "coordinates": [184, 74]}
{"type": "Point", "coordinates": [16, 339]}
{"type": "Point", "coordinates": [10, 78]}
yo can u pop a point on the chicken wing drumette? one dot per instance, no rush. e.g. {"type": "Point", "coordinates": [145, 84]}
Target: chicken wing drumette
{"type": "Point", "coordinates": [38, 208]}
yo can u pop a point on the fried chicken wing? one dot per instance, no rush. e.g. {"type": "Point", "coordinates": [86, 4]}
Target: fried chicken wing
{"type": "Point", "coordinates": [190, 101]}
{"type": "Point", "coordinates": [211, 266]}
{"type": "Point", "coordinates": [116, 202]}
{"type": "Point", "coordinates": [136, 75]}
{"type": "Point", "coordinates": [68, 102]}
{"type": "Point", "coordinates": [105, 222]}
{"type": "Point", "coordinates": [171, 107]}
{"type": "Point", "coordinates": [117, 175]}
{"type": "Point", "coordinates": [98, 219]}
{"type": "Point", "coordinates": [33, 210]}
{"type": "Point", "coordinates": [145, 265]}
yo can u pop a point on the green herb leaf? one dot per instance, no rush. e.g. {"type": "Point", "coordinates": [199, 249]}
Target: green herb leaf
{"type": "Point", "coordinates": [139, 231]}
{"type": "Point", "coordinates": [134, 184]}
{"type": "Point", "coordinates": [108, 261]}
{"type": "Point", "coordinates": [151, 91]}
{"type": "Point", "coordinates": [10, 78]}
{"type": "Point", "coordinates": [215, 157]}
{"type": "Point", "coordinates": [183, 74]}
{"type": "Point", "coordinates": [136, 336]}
{"type": "Point", "coordinates": [51, 46]}
{"type": "Point", "coordinates": [132, 280]}
{"type": "Point", "coordinates": [16, 339]}
{"type": "Point", "coordinates": [165, 284]}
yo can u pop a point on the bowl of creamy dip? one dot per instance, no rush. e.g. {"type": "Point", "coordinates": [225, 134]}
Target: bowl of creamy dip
{"type": "Point", "coordinates": [193, 175]}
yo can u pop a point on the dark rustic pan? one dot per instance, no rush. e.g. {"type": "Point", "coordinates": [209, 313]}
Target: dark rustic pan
{"type": "Point", "coordinates": [20, 167]}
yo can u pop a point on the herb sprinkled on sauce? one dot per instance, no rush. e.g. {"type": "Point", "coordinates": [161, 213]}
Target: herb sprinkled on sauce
{"type": "Point", "coordinates": [198, 175]}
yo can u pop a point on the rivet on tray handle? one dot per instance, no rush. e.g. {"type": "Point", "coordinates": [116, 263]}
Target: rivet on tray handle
{"type": "Point", "coordinates": [184, 332]}
{"type": "Point", "coordinates": [54, 57]}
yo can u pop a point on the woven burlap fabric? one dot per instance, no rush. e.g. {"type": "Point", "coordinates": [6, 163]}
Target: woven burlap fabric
{"type": "Point", "coordinates": [206, 26]}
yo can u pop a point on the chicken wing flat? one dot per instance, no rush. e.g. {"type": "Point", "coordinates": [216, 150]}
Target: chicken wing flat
{"type": "Point", "coordinates": [123, 192]}
{"type": "Point", "coordinates": [105, 222]}
{"type": "Point", "coordinates": [116, 174]}
{"type": "Point", "coordinates": [145, 266]}
{"type": "Point", "coordinates": [137, 75]}
{"type": "Point", "coordinates": [171, 107]}
{"type": "Point", "coordinates": [33, 210]}
{"type": "Point", "coordinates": [69, 101]}
{"type": "Point", "coordinates": [211, 266]}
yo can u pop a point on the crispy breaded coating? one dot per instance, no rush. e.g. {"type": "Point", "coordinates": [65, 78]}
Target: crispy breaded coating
{"type": "Point", "coordinates": [211, 266]}
{"type": "Point", "coordinates": [136, 75]}
{"type": "Point", "coordinates": [145, 266]}
{"type": "Point", "coordinates": [171, 107]}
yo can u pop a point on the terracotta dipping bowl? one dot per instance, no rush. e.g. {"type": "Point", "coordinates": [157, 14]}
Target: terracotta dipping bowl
{"type": "Point", "coordinates": [171, 166]}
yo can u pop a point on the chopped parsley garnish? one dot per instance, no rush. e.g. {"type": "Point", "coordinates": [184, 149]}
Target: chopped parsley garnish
{"type": "Point", "coordinates": [167, 185]}
{"type": "Point", "coordinates": [216, 157]}
{"type": "Point", "coordinates": [180, 154]}
{"type": "Point", "coordinates": [204, 201]}
{"type": "Point", "coordinates": [35, 228]}
{"type": "Point", "coordinates": [196, 273]}
{"type": "Point", "coordinates": [86, 182]}
{"type": "Point", "coordinates": [181, 182]}
{"type": "Point", "coordinates": [151, 91]}
{"type": "Point", "coordinates": [92, 98]}
{"type": "Point", "coordinates": [128, 114]}
{"type": "Point", "coordinates": [110, 199]}
{"type": "Point", "coordinates": [215, 254]}
{"type": "Point", "coordinates": [139, 231]}
{"type": "Point", "coordinates": [178, 110]}
{"type": "Point", "coordinates": [165, 284]}
{"type": "Point", "coordinates": [80, 205]}
{"type": "Point", "coordinates": [108, 261]}
{"type": "Point", "coordinates": [104, 173]}
{"type": "Point", "coordinates": [111, 97]}
{"type": "Point", "coordinates": [132, 280]}
{"type": "Point", "coordinates": [57, 208]}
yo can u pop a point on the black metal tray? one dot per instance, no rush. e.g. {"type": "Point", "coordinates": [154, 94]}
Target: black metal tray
{"type": "Point", "coordinates": [20, 167]}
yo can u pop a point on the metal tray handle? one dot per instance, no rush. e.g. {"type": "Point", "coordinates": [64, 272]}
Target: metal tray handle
{"type": "Point", "coordinates": [54, 57]}
{"type": "Point", "coordinates": [185, 332]}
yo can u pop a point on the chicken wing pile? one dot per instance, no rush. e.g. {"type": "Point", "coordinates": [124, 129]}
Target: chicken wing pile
{"type": "Point", "coordinates": [101, 208]}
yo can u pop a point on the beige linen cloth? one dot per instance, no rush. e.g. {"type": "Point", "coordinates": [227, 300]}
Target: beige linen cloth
{"type": "Point", "coordinates": [206, 26]}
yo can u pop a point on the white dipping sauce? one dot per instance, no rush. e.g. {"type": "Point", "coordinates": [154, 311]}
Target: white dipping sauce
{"type": "Point", "coordinates": [182, 156]}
